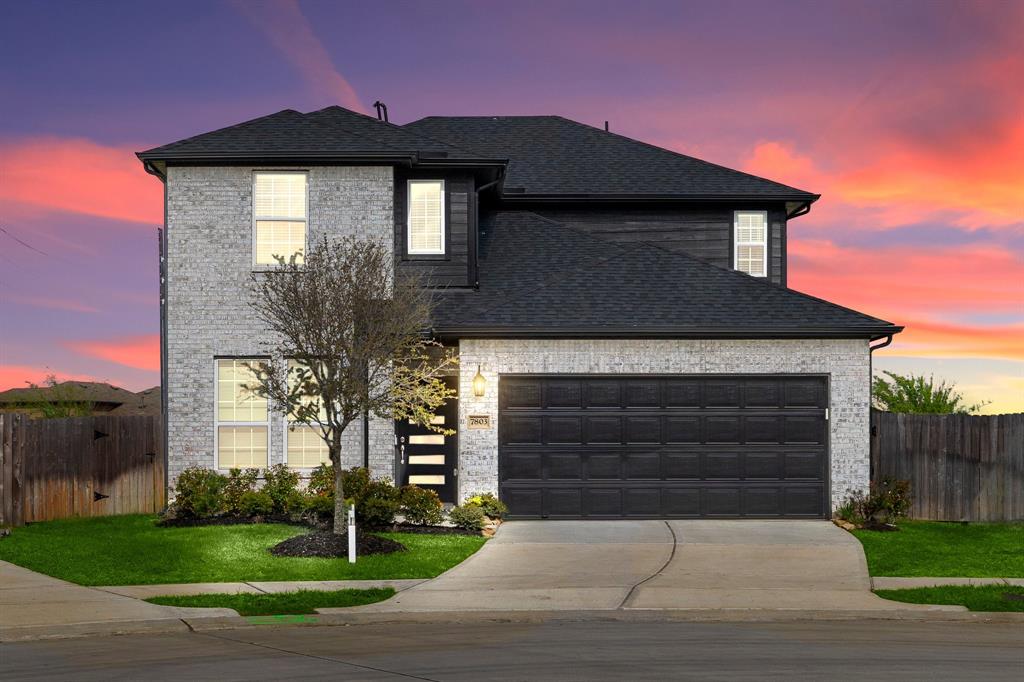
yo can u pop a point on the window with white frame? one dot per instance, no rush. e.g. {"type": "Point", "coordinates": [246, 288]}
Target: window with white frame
{"type": "Point", "coordinates": [426, 217]}
{"type": "Point", "coordinates": [751, 239]}
{"type": "Point", "coordinates": [304, 448]}
{"type": "Point", "coordinates": [241, 417]}
{"type": "Point", "coordinates": [279, 209]}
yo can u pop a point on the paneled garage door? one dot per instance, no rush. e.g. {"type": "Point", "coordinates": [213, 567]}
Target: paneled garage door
{"type": "Point", "coordinates": [590, 446]}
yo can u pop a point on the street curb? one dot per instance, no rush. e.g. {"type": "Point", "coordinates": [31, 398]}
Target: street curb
{"type": "Point", "coordinates": [200, 624]}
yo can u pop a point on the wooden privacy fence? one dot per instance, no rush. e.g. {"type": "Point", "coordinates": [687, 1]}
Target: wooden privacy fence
{"type": "Point", "coordinates": [960, 467]}
{"type": "Point", "coordinates": [86, 466]}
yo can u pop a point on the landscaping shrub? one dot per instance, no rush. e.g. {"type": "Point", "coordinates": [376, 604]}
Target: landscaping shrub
{"type": "Point", "coordinates": [239, 482]}
{"type": "Point", "coordinates": [296, 502]}
{"type": "Point", "coordinates": [490, 504]}
{"type": "Point", "coordinates": [280, 482]}
{"type": "Point", "coordinates": [379, 503]}
{"type": "Point", "coordinates": [468, 516]}
{"type": "Point", "coordinates": [198, 493]}
{"type": "Point", "coordinates": [884, 503]}
{"type": "Point", "coordinates": [321, 481]}
{"type": "Point", "coordinates": [356, 480]}
{"type": "Point", "coordinates": [320, 505]}
{"type": "Point", "coordinates": [421, 506]}
{"type": "Point", "coordinates": [256, 503]}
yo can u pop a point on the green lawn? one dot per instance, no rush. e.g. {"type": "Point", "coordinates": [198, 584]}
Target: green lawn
{"type": "Point", "coordinates": [937, 549]}
{"type": "Point", "coordinates": [290, 603]}
{"type": "Point", "coordinates": [974, 597]}
{"type": "Point", "coordinates": [132, 550]}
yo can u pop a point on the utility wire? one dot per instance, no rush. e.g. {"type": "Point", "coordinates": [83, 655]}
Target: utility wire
{"type": "Point", "coordinates": [22, 242]}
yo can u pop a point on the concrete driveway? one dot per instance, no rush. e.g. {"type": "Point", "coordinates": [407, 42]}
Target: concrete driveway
{"type": "Point", "coordinates": [608, 565]}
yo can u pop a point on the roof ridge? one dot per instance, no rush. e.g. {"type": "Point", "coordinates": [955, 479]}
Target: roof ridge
{"type": "Point", "coordinates": [220, 130]}
{"type": "Point", "coordinates": [395, 126]}
{"type": "Point", "coordinates": [681, 155]}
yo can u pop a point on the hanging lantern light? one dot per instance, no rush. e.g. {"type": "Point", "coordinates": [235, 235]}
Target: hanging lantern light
{"type": "Point", "coordinates": [479, 384]}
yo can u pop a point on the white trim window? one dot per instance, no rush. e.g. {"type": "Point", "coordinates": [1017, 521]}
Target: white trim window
{"type": "Point", "coordinates": [303, 446]}
{"type": "Point", "coordinates": [241, 418]}
{"type": "Point", "coordinates": [426, 217]}
{"type": "Point", "coordinates": [750, 235]}
{"type": "Point", "coordinates": [279, 208]}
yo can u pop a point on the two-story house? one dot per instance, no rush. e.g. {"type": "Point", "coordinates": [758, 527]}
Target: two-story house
{"type": "Point", "coordinates": [628, 345]}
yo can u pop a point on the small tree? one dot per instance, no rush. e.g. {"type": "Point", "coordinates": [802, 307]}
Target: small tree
{"type": "Point", "coordinates": [348, 338]}
{"type": "Point", "coordinates": [918, 395]}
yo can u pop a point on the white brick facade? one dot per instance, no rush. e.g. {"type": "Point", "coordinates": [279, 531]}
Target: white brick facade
{"type": "Point", "coordinates": [209, 248]}
{"type": "Point", "coordinates": [844, 361]}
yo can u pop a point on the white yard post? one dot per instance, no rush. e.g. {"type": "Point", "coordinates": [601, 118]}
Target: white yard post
{"type": "Point", "coordinates": [352, 534]}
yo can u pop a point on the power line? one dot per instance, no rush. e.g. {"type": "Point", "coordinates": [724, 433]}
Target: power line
{"type": "Point", "coordinates": [22, 242]}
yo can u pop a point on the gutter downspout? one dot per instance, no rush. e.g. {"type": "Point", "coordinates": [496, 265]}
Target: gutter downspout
{"type": "Point", "coordinates": [476, 242]}
{"type": "Point", "coordinates": [162, 235]}
{"type": "Point", "coordinates": [871, 380]}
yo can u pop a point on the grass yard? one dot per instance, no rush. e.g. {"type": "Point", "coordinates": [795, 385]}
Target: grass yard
{"type": "Point", "coordinates": [974, 597]}
{"type": "Point", "coordinates": [937, 549]}
{"type": "Point", "coordinates": [285, 603]}
{"type": "Point", "coordinates": [132, 550]}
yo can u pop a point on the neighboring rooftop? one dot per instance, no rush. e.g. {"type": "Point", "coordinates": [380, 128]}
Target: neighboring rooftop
{"type": "Point", "coordinates": [551, 155]}
{"type": "Point", "coordinates": [105, 398]}
{"type": "Point", "coordinates": [529, 288]}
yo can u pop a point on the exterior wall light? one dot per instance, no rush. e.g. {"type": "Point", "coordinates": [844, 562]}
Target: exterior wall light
{"type": "Point", "coordinates": [479, 384]}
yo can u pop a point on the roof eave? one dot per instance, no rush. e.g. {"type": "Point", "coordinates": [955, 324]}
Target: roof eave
{"type": "Point", "coordinates": [516, 198]}
{"type": "Point", "coordinates": [871, 332]}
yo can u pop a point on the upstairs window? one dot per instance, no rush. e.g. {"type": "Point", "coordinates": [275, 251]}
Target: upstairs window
{"type": "Point", "coordinates": [426, 217]}
{"type": "Point", "coordinates": [279, 216]}
{"type": "Point", "coordinates": [751, 239]}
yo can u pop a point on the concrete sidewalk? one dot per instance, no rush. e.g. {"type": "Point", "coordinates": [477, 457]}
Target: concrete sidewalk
{"type": "Point", "coordinates": [253, 587]}
{"type": "Point", "coordinates": [32, 600]}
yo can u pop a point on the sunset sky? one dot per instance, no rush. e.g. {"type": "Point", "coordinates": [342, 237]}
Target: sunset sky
{"type": "Point", "coordinates": [907, 117]}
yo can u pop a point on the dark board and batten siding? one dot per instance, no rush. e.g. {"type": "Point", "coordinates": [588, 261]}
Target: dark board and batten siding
{"type": "Point", "coordinates": [701, 232]}
{"type": "Point", "coordinates": [590, 446]}
{"type": "Point", "coordinates": [454, 267]}
{"type": "Point", "coordinates": [960, 467]}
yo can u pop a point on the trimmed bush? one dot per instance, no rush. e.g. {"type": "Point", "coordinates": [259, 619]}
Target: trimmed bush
{"type": "Point", "coordinates": [321, 481]}
{"type": "Point", "coordinates": [279, 482]}
{"type": "Point", "coordinates": [490, 504]}
{"type": "Point", "coordinates": [379, 503]}
{"type": "Point", "coordinates": [321, 505]}
{"type": "Point", "coordinates": [198, 493]}
{"type": "Point", "coordinates": [356, 480]}
{"type": "Point", "coordinates": [256, 503]}
{"type": "Point", "coordinates": [421, 506]}
{"type": "Point", "coordinates": [239, 482]}
{"type": "Point", "coordinates": [468, 516]}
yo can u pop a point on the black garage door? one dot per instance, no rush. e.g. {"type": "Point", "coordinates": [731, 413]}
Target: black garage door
{"type": "Point", "coordinates": [589, 446]}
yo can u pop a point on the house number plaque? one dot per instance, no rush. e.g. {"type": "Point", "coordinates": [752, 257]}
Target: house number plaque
{"type": "Point", "coordinates": [479, 421]}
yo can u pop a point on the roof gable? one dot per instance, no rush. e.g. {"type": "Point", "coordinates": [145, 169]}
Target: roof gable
{"type": "Point", "coordinates": [551, 155]}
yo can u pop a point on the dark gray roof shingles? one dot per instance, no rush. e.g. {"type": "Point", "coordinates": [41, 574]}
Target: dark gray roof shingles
{"type": "Point", "coordinates": [551, 155]}
{"type": "Point", "coordinates": [333, 130]}
{"type": "Point", "coordinates": [528, 280]}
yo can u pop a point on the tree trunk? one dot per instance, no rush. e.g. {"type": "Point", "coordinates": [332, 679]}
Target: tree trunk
{"type": "Point", "coordinates": [340, 522]}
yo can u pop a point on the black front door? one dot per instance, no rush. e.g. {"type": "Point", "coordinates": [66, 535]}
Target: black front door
{"type": "Point", "coordinates": [427, 458]}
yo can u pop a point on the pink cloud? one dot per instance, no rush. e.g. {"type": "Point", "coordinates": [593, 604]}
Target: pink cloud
{"type": "Point", "coordinates": [289, 31]}
{"type": "Point", "coordinates": [140, 352]}
{"type": "Point", "coordinates": [20, 376]}
{"type": "Point", "coordinates": [51, 303]}
{"type": "Point", "coordinates": [77, 175]}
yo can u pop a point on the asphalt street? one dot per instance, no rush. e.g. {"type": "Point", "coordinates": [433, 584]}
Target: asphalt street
{"type": "Point", "coordinates": [556, 650]}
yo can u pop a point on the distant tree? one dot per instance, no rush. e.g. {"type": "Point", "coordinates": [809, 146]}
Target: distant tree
{"type": "Point", "coordinates": [918, 395]}
{"type": "Point", "coordinates": [349, 336]}
{"type": "Point", "coordinates": [56, 400]}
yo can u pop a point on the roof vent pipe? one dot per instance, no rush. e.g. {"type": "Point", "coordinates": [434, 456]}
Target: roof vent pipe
{"type": "Point", "coordinates": [381, 107]}
{"type": "Point", "coordinates": [606, 126]}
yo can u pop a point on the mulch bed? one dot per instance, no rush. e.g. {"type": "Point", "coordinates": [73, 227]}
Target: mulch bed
{"type": "Point", "coordinates": [330, 545]}
{"type": "Point", "coordinates": [429, 530]}
{"type": "Point", "coordinates": [226, 520]}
